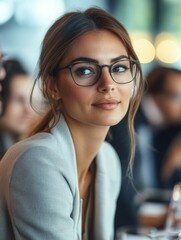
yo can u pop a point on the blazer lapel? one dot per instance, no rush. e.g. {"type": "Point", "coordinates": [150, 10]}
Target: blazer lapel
{"type": "Point", "coordinates": [102, 210]}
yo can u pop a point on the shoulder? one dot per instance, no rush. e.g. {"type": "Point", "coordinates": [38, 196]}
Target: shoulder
{"type": "Point", "coordinates": [39, 152]}
{"type": "Point", "coordinates": [28, 151]}
{"type": "Point", "coordinates": [40, 144]}
{"type": "Point", "coordinates": [40, 191]}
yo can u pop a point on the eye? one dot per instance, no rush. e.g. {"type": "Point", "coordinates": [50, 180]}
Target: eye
{"type": "Point", "coordinates": [120, 67]}
{"type": "Point", "coordinates": [82, 71]}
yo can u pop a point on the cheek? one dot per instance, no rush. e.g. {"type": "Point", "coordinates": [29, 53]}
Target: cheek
{"type": "Point", "coordinates": [165, 104]}
{"type": "Point", "coordinates": [173, 108]}
{"type": "Point", "coordinates": [126, 92]}
{"type": "Point", "coordinates": [73, 95]}
{"type": "Point", "coordinates": [68, 90]}
{"type": "Point", "coordinates": [9, 119]}
{"type": "Point", "coordinates": [10, 110]}
{"type": "Point", "coordinates": [13, 111]}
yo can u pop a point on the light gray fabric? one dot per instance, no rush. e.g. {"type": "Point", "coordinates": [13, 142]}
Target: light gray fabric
{"type": "Point", "coordinates": [39, 195]}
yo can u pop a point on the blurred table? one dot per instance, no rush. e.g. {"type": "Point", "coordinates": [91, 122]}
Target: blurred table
{"type": "Point", "coordinates": [153, 207]}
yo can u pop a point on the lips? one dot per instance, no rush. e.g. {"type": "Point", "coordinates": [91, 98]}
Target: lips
{"type": "Point", "coordinates": [107, 104]}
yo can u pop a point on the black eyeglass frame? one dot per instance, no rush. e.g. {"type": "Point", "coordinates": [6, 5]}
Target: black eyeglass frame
{"type": "Point", "coordinates": [69, 66]}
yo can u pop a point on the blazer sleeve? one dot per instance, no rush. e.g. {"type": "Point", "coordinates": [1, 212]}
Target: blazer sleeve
{"type": "Point", "coordinates": [41, 199]}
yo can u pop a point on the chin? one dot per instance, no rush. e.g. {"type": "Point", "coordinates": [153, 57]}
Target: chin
{"type": "Point", "coordinates": [114, 118]}
{"type": "Point", "coordinates": [112, 121]}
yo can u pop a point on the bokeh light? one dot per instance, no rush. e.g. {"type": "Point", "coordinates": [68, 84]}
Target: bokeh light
{"type": "Point", "coordinates": [39, 13]}
{"type": "Point", "coordinates": [143, 48]}
{"type": "Point", "coordinates": [167, 48]}
{"type": "Point", "coordinates": [6, 10]}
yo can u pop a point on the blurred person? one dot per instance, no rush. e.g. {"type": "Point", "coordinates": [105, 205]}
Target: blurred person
{"type": "Point", "coordinates": [166, 93]}
{"type": "Point", "coordinates": [2, 76]}
{"type": "Point", "coordinates": [170, 173]}
{"type": "Point", "coordinates": [63, 181]}
{"type": "Point", "coordinates": [126, 212]}
{"type": "Point", "coordinates": [164, 86]}
{"type": "Point", "coordinates": [17, 111]}
{"type": "Point", "coordinates": [160, 107]}
{"type": "Point", "coordinates": [168, 155]}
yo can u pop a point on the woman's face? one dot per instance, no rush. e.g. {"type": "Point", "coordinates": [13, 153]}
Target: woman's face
{"type": "Point", "coordinates": [18, 110]}
{"type": "Point", "coordinates": [106, 102]}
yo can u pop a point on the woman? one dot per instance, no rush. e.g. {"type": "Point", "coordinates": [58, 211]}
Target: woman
{"type": "Point", "coordinates": [17, 111]}
{"type": "Point", "coordinates": [63, 182]}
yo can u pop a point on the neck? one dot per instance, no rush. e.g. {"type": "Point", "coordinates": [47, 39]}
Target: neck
{"type": "Point", "coordinates": [87, 141]}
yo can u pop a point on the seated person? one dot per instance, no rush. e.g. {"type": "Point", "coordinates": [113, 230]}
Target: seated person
{"type": "Point", "coordinates": [160, 106]}
{"type": "Point", "coordinates": [168, 155]}
{"type": "Point", "coordinates": [17, 111]}
{"type": "Point", "coordinates": [62, 182]}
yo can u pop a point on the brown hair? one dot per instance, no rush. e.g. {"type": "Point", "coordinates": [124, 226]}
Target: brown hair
{"type": "Point", "coordinates": [157, 78]}
{"type": "Point", "coordinates": [60, 38]}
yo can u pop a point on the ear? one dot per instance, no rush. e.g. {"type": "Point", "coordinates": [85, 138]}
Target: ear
{"type": "Point", "coordinates": [52, 89]}
{"type": "Point", "coordinates": [56, 93]}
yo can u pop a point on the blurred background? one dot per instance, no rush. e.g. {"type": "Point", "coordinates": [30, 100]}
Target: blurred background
{"type": "Point", "coordinates": [154, 26]}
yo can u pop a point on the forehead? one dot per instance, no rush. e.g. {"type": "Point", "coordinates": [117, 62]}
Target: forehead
{"type": "Point", "coordinates": [101, 45]}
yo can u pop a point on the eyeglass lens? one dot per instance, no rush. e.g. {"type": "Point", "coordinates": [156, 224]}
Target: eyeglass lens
{"type": "Point", "coordinates": [86, 74]}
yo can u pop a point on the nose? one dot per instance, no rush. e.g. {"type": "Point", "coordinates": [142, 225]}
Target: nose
{"type": "Point", "coordinates": [105, 83]}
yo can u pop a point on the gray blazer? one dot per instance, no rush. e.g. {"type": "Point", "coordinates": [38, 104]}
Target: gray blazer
{"type": "Point", "coordinates": [39, 195]}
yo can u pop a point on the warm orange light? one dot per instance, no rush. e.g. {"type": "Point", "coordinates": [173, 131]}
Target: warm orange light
{"type": "Point", "coordinates": [144, 49]}
{"type": "Point", "coordinates": [167, 48]}
{"type": "Point", "coordinates": [163, 36]}
{"type": "Point", "coordinates": [168, 51]}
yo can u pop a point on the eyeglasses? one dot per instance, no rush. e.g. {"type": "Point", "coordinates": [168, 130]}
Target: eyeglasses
{"type": "Point", "coordinates": [88, 73]}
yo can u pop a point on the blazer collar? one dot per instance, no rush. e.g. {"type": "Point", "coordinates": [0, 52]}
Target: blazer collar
{"type": "Point", "coordinates": [102, 194]}
{"type": "Point", "coordinates": [102, 200]}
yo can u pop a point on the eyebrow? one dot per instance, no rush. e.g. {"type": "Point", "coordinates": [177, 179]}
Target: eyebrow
{"type": "Point", "coordinates": [86, 59]}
